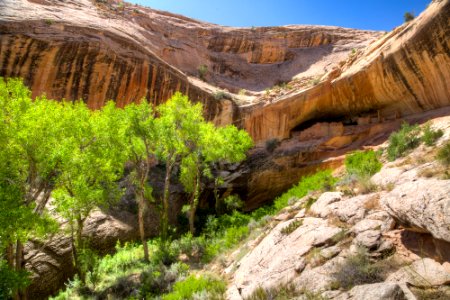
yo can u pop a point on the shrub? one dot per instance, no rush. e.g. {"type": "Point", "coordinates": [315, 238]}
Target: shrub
{"type": "Point", "coordinates": [193, 247]}
{"type": "Point", "coordinates": [291, 227]}
{"type": "Point", "coordinates": [272, 144]}
{"type": "Point", "coordinates": [356, 270]}
{"type": "Point", "coordinates": [405, 139]}
{"type": "Point", "coordinates": [219, 95]}
{"type": "Point", "coordinates": [242, 92]}
{"type": "Point", "coordinates": [430, 136]}
{"type": "Point", "coordinates": [408, 16]}
{"type": "Point", "coordinates": [363, 163]}
{"type": "Point", "coordinates": [444, 154]}
{"type": "Point", "coordinates": [322, 180]}
{"type": "Point", "coordinates": [283, 292]}
{"type": "Point", "coordinates": [193, 285]}
{"type": "Point", "coordinates": [202, 70]}
{"type": "Point", "coordinates": [159, 279]}
{"type": "Point", "coordinates": [233, 202]}
{"type": "Point", "coordinates": [11, 280]}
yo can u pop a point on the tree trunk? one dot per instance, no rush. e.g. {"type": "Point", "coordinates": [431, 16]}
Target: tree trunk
{"type": "Point", "coordinates": [194, 202]}
{"type": "Point", "coordinates": [141, 214]}
{"type": "Point", "coordinates": [165, 216]}
{"type": "Point", "coordinates": [79, 245]}
{"type": "Point", "coordinates": [19, 267]}
{"type": "Point", "coordinates": [19, 256]}
{"type": "Point", "coordinates": [10, 256]}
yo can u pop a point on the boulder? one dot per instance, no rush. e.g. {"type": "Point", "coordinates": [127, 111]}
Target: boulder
{"type": "Point", "coordinates": [369, 239]}
{"type": "Point", "coordinates": [422, 205]}
{"type": "Point", "coordinates": [376, 291]}
{"type": "Point", "coordinates": [422, 273]}
{"type": "Point", "coordinates": [322, 207]}
{"type": "Point", "coordinates": [279, 258]}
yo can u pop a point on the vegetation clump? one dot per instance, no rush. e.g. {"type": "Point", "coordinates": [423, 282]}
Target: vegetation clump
{"type": "Point", "coordinates": [202, 71]}
{"type": "Point", "coordinates": [363, 163]}
{"type": "Point", "coordinates": [322, 180]}
{"type": "Point", "coordinates": [430, 136]}
{"type": "Point", "coordinates": [272, 144]}
{"type": "Point", "coordinates": [408, 16]}
{"type": "Point", "coordinates": [291, 227]}
{"type": "Point", "coordinates": [356, 270]}
{"type": "Point", "coordinates": [444, 154]}
{"type": "Point", "coordinates": [407, 138]}
{"type": "Point", "coordinates": [206, 285]}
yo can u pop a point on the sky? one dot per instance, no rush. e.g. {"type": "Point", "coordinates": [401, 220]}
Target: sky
{"type": "Point", "coordinates": [361, 14]}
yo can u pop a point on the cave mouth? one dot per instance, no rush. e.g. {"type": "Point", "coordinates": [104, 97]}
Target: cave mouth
{"type": "Point", "coordinates": [346, 120]}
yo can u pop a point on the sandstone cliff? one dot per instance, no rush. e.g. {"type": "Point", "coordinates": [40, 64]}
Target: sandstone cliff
{"type": "Point", "coordinates": [356, 82]}
{"type": "Point", "coordinates": [329, 90]}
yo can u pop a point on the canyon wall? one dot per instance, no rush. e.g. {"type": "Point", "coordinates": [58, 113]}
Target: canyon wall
{"type": "Point", "coordinates": [348, 88]}
{"type": "Point", "coordinates": [406, 71]}
{"type": "Point", "coordinates": [98, 50]}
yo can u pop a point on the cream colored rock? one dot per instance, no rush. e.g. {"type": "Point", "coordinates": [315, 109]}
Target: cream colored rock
{"type": "Point", "coordinates": [423, 205]}
{"type": "Point", "coordinates": [376, 291]}
{"type": "Point", "coordinates": [274, 260]}
{"type": "Point", "coordinates": [321, 206]}
{"type": "Point", "coordinates": [422, 273]}
{"type": "Point", "coordinates": [369, 239]}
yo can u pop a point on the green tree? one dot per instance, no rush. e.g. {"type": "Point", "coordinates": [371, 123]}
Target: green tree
{"type": "Point", "coordinates": [28, 163]}
{"type": "Point", "coordinates": [92, 163]}
{"type": "Point", "coordinates": [141, 137]}
{"type": "Point", "coordinates": [408, 16]}
{"type": "Point", "coordinates": [177, 126]}
{"type": "Point", "coordinates": [210, 145]}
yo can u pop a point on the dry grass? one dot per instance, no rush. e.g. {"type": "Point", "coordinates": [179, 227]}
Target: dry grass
{"type": "Point", "coordinates": [373, 203]}
{"type": "Point", "coordinates": [336, 222]}
{"type": "Point", "coordinates": [389, 186]}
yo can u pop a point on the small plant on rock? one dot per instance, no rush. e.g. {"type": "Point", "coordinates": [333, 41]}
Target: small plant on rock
{"type": "Point", "coordinates": [272, 144]}
{"type": "Point", "coordinates": [408, 16]}
{"type": "Point", "coordinates": [356, 270]}
{"type": "Point", "coordinates": [430, 136]}
{"type": "Point", "coordinates": [405, 139]}
{"type": "Point", "coordinates": [202, 70]}
{"type": "Point", "coordinates": [291, 227]}
{"type": "Point", "coordinates": [444, 154]}
{"type": "Point", "coordinates": [363, 163]}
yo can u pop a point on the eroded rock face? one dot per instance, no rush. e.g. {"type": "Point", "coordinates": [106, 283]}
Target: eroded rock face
{"type": "Point", "coordinates": [422, 205]}
{"type": "Point", "coordinates": [84, 49]}
{"type": "Point", "coordinates": [406, 71]}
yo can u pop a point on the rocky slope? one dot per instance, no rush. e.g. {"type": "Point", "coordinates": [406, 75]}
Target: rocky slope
{"type": "Point", "coordinates": [356, 82]}
{"type": "Point", "coordinates": [404, 224]}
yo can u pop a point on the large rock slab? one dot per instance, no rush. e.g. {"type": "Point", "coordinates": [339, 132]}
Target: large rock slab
{"type": "Point", "coordinates": [275, 258]}
{"type": "Point", "coordinates": [423, 273]}
{"type": "Point", "coordinates": [376, 291]}
{"type": "Point", "coordinates": [422, 205]}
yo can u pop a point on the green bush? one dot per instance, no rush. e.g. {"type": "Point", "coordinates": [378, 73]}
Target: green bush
{"type": "Point", "coordinates": [322, 180]}
{"type": "Point", "coordinates": [363, 163]}
{"type": "Point", "coordinates": [430, 136]}
{"type": "Point", "coordinates": [11, 280]}
{"type": "Point", "coordinates": [283, 292]}
{"type": "Point", "coordinates": [192, 285]}
{"type": "Point", "coordinates": [356, 270]}
{"type": "Point", "coordinates": [202, 70]}
{"type": "Point", "coordinates": [408, 16]}
{"type": "Point", "coordinates": [291, 227]}
{"type": "Point", "coordinates": [444, 154]}
{"type": "Point", "coordinates": [157, 280]}
{"type": "Point", "coordinates": [272, 144]}
{"type": "Point", "coordinates": [405, 139]}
